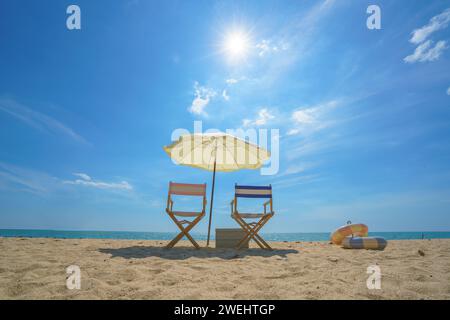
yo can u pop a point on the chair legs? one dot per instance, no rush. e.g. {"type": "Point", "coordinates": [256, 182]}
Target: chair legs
{"type": "Point", "coordinates": [252, 230]}
{"type": "Point", "coordinates": [184, 231]}
{"type": "Point", "coordinates": [247, 231]}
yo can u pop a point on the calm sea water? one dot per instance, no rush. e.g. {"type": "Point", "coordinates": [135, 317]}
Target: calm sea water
{"type": "Point", "coordinates": [317, 236]}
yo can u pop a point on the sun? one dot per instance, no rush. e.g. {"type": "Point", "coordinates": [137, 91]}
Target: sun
{"type": "Point", "coordinates": [236, 45]}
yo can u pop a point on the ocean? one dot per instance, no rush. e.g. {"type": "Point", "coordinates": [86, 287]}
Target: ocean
{"type": "Point", "coordinates": [301, 236]}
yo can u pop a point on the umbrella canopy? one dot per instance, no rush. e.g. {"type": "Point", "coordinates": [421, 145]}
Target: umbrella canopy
{"type": "Point", "coordinates": [229, 152]}
{"type": "Point", "coordinates": [217, 151]}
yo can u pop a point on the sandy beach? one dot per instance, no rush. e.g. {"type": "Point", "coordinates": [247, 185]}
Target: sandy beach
{"type": "Point", "coordinates": [34, 268]}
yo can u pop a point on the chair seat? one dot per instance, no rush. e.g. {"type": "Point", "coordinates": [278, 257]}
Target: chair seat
{"type": "Point", "coordinates": [186, 213]}
{"type": "Point", "coordinates": [250, 215]}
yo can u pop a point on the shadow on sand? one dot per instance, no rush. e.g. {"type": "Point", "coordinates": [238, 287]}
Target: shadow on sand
{"type": "Point", "coordinates": [181, 253]}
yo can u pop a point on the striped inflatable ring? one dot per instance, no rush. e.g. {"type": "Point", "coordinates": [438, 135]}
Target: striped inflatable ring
{"type": "Point", "coordinates": [358, 229]}
{"type": "Point", "coordinates": [374, 243]}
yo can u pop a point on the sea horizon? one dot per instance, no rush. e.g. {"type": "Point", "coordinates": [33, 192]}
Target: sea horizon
{"type": "Point", "coordinates": [143, 235]}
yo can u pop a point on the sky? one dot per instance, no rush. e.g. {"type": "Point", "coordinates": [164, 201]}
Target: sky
{"type": "Point", "coordinates": [363, 114]}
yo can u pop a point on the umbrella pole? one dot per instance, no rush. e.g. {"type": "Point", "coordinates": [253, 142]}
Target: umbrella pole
{"type": "Point", "coordinates": [212, 200]}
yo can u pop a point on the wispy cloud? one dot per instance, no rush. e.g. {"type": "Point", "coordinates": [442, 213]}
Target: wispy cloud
{"type": "Point", "coordinates": [320, 129]}
{"type": "Point", "coordinates": [337, 135]}
{"type": "Point", "coordinates": [264, 115]}
{"type": "Point", "coordinates": [304, 116]}
{"type": "Point", "coordinates": [286, 182]}
{"type": "Point", "coordinates": [38, 120]}
{"type": "Point", "coordinates": [308, 119]}
{"type": "Point", "coordinates": [298, 169]}
{"type": "Point", "coordinates": [426, 49]}
{"type": "Point", "coordinates": [266, 47]}
{"type": "Point", "coordinates": [202, 97]}
{"type": "Point", "coordinates": [293, 43]}
{"type": "Point", "coordinates": [83, 176]}
{"type": "Point", "coordinates": [448, 91]}
{"type": "Point", "coordinates": [225, 95]}
{"type": "Point", "coordinates": [86, 180]}
{"type": "Point", "coordinates": [17, 178]}
{"type": "Point", "coordinates": [436, 23]}
{"type": "Point", "coordinates": [234, 80]}
{"type": "Point", "coordinates": [231, 81]}
{"type": "Point", "coordinates": [427, 52]}
{"type": "Point", "coordinates": [296, 174]}
{"type": "Point", "coordinates": [310, 147]}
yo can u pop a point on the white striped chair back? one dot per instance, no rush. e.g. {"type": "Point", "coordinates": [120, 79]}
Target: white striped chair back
{"type": "Point", "coordinates": [253, 191]}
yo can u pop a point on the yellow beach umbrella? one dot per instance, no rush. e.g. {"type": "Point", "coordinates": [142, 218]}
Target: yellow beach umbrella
{"type": "Point", "coordinates": [216, 152]}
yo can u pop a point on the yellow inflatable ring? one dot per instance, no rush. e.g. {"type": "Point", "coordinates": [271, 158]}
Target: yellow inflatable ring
{"type": "Point", "coordinates": [357, 230]}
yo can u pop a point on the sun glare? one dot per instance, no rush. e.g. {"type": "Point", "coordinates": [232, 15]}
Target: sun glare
{"type": "Point", "coordinates": [236, 45]}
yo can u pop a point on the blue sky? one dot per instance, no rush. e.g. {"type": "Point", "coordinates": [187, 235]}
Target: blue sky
{"type": "Point", "coordinates": [364, 115]}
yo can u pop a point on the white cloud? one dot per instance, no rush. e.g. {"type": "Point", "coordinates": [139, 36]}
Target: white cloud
{"type": "Point", "coordinates": [202, 98]}
{"type": "Point", "coordinates": [265, 47]}
{"type": "Point", "coordinates": [231, 81]}
{"type": "Point", "coordinates": [297, 37]}
{"type": "Point", "coordinates": [83, 176]}
{"type": "Point", "coordinates": [86, 180]}
{"type": "Point", "coordinates": [448, 91]}
{"type": "Point", "coordinates": [304, 116]}
{"type": "Point", "coordinates": [436, 23]}
{"type": "Point", "coordinates": [263, 117]}
{"type": "Point", "coordinates": [20, 179]}
{"type": "Point", "coordinates": [293, 132]}
{"type": "Point", "coordinates": [38, 120]}
{"type": "Point", "coordinates": [225, 95]}
{"type": "Point", "coordinates": [425, 52]}
{"type": "Point", "coordinates": [311, 118]}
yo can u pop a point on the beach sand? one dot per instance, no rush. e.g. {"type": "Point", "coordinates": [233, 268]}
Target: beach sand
{"type": "Point", "coordinates": [33, 268]}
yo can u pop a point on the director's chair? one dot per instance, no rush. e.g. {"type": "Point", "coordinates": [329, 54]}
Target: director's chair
{"type": "Point", "coordinates": [251, 229]}
{"type": "Point", "coordinates": [185, 189]}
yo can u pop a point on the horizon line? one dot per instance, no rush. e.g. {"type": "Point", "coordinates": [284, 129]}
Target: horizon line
{"type": "Point", "coordinates": [198, 233]}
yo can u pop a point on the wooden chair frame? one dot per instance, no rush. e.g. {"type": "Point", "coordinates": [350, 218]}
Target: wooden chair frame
{"type": "Point", "coordinates": [186, 190]}
{"type": "Point", "coordinates": [251, 229]}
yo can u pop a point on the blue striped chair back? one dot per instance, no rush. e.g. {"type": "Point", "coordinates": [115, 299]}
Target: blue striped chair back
{"type": "Point", "coordinates": [253, 191]}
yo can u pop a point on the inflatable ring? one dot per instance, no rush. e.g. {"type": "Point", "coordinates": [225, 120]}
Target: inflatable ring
{"type": "Point", "coordinates": [358, 230]}
{"type": "Point", "coordinates": [374, 243]}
